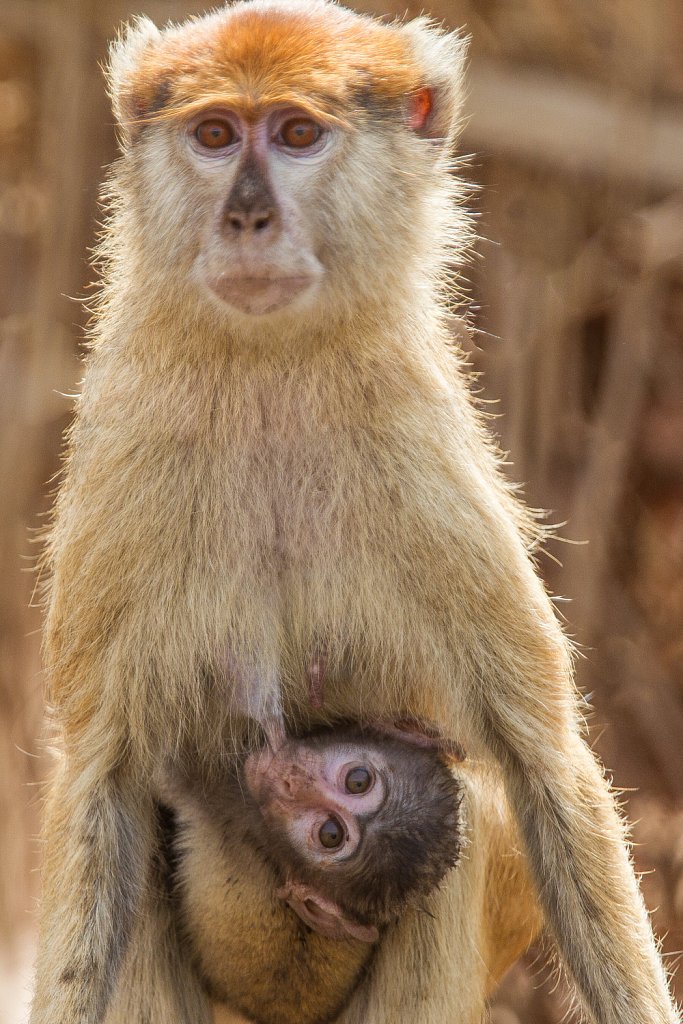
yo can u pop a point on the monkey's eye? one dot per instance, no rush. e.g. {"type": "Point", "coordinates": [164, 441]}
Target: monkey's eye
{"type": "Point", "coordinates": [358, 780]}
{"type": "Point", "coordinates": [331, 834]}
{"type": "Point", "coordinates": [215, 133]}
{"type": "Point", "coordinates": [299, 133]}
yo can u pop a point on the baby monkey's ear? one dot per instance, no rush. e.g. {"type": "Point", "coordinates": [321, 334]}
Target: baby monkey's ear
{"type": "Point", "coordinates": [433, 110]}
{"type": "Point", "coordinates": [323, 916]}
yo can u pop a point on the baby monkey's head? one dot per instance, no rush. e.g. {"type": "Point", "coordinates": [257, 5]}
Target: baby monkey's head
{"type": "Point", "coordinates": [360, 823]}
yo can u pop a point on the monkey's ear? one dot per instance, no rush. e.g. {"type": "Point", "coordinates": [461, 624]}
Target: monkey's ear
{"type": "Point", "coordinates": [134, 94]}
{"type": "Point", "coordinates": [323, 916]}
{"type": "Point", "coordinates": [434, 110]}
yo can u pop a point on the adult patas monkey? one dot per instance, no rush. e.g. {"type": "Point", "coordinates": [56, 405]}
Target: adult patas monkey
{"type": "Point", "coordinates": [276, 454]}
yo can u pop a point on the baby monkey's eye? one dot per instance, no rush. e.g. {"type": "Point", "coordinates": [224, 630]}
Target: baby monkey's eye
{"type": "Point", "coordinates": [215, 133]}
{"type": "Point", "coordinates": [299, 133]}
{"type": "Point", "coordinates": [358, 780]}
{"type": "Point", "coordinates": [331, 834]}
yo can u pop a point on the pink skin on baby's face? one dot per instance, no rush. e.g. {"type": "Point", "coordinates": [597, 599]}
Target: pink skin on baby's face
{"type": "Point", "coordinates": [317, 795]}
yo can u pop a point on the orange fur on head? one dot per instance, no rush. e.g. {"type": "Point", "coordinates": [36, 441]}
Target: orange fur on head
{"type": "Point", "coordinates": [270, 54]}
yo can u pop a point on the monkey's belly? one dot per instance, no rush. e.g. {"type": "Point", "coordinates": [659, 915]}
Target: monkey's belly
{"type": "Point", "coordinates": [284, 977]}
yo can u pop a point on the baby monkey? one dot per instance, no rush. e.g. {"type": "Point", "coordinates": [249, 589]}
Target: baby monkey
{"type": "Point", "coordinates": [289, 867]}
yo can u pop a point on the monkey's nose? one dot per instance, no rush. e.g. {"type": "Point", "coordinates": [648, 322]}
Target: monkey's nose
{"type": "Point", "coordinates": [289, 786]}
{"type": "Point", "coordinates": [295, 784]}
{"type": "Point", "coordinates": [257, 220]}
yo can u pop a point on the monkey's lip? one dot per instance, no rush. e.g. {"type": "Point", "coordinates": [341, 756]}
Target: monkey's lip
{"type": "Point", "coordinates": [259, 294]}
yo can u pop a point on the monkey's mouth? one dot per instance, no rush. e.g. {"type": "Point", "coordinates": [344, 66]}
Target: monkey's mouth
{"type": "Point", "coordinates": [259, 295]}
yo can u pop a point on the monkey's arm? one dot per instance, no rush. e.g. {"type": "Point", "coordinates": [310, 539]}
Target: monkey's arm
{"type": "Point", "coordinates": [158, 983]}
{"type": "Point", "coordinates": [513, 689]}
{"type": "Point", "coordinates": [99, 842]}
{"type": "Point", "coordinates": [522, 691]}
{"type": "Point", "coordinates": [579, 860]}
{"type": "Point", "coordinates": [115, 956]}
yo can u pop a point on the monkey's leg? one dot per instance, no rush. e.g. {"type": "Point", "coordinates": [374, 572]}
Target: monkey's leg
{"type": "Point", "coordinates": [100, 830]}
{"type": "Point", "coordinates": [579, 860]}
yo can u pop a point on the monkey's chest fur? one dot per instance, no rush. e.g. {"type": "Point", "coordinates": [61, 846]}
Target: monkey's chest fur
{"type": "Point", "coordinates": [258, 518]}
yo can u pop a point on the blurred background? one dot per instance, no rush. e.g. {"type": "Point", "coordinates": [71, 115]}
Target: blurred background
{"type": "Point", "coordinates": [574, 141]}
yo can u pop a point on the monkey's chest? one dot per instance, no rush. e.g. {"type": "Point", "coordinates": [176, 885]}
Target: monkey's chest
{"type": "Point", "coordinates": [345, 558]}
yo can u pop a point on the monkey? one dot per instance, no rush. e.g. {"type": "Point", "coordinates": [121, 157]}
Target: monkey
{"type": "Point", "coordinates": [346, 828]}
{"type": "Point", "coordinates": [240, 950]}
{"type": "Point", "coordinates": [275, 451]}
{"type": "Point", "coordinates": [359, 827]}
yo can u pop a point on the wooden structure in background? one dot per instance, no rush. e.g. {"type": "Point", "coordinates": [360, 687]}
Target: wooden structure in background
{"type": "Point", "coordinates": [575, 112]}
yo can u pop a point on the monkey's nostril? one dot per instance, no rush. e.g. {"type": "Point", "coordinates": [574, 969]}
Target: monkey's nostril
{"type": "Point", "coordinates": [286, 786]}
{"type": "Point", "coordinates": [249, 221]}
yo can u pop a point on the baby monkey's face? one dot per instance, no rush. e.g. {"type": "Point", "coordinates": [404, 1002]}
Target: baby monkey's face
{"type": "Point", "coordinates": [320, 796]}
{"type": "Point", "coordinates": [359, 822]}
